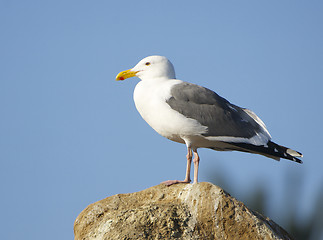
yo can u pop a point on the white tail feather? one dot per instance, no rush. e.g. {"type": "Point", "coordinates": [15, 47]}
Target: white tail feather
{"type": "Point", "coordinates": [294, 153]}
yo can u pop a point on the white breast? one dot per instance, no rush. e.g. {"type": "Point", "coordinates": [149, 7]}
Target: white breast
{"type": "Point", "coordinates": [150, 100]}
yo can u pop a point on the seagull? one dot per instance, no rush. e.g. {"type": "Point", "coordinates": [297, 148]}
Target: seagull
{"type": "Point", "coordinates": [197, 116]}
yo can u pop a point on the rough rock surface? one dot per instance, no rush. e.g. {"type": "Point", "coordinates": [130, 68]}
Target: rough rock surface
{"type": "Point", "coordinates": [181, 211]}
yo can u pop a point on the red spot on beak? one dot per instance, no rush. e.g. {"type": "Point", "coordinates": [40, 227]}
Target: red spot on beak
{"type": "Point", "coordinates": [121, 78]}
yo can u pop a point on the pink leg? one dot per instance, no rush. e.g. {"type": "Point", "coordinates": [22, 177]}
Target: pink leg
{"type": "Point", "coordinates": [188, 170]}
{"type": "Point", "coordinates": [196, 162]}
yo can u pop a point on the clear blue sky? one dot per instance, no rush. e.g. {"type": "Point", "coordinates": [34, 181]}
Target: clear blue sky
{"type": "Point", "coordinates": [70, 134]}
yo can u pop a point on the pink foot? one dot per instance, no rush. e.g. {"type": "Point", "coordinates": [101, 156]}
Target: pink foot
{"type": "Point", "coordinates": [171, 182]}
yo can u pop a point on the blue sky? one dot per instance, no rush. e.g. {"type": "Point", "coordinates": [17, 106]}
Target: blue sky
{"type": "Point", "coordinates": [70, 134]}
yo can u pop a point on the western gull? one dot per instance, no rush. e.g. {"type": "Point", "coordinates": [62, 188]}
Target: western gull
{"type": "Point", "coordinates": [198, 117]}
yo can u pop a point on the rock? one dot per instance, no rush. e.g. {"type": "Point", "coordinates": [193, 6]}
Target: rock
{"type": "Point", "coordinates": [181, 211]}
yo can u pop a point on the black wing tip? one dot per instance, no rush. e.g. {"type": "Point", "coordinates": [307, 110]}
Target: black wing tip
{"type": "Point", "coordinates": [289, 157]}
{"type": "Point", "coordinates": [292, 155]}
{"type": "Point", "coordinates": [271, 150]}
{"type": "Point", "coordinates": [297, 160]}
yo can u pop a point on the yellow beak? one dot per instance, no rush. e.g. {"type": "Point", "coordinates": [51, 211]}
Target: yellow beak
{"type": "Point", "coordinates": [126, 74]}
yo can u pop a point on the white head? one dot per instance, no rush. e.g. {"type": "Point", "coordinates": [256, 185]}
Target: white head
{"type": "Point", "coordinates": [149, 68]}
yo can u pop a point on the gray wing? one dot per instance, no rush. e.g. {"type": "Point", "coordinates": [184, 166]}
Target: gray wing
{"type": "Point", "coordinates": [220, 116]}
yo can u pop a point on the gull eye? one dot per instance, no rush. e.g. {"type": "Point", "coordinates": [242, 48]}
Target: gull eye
{"type": "Point", "coordinates": [147, 63]}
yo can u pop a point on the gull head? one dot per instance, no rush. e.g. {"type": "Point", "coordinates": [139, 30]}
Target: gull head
{"type": "Point", "coordinates": [151, 67]}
